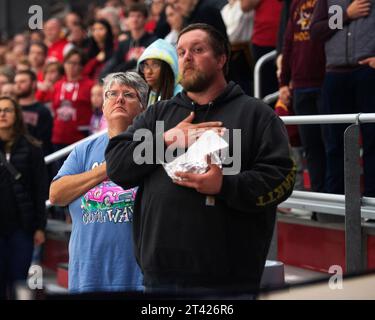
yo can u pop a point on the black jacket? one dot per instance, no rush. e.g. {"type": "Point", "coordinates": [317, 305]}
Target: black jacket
{"type": "Point", "coordinates": [23, 201]}
{"type": "Point", "coordinates": [176, 235]}
{"type": "Point", "coordinates": [39, 123]}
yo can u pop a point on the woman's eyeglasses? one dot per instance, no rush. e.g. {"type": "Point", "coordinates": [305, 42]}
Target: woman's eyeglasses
{"type": "Point", "coordinates": [125, 95]}
{"type": "Point", "coordinates": [6, 111]}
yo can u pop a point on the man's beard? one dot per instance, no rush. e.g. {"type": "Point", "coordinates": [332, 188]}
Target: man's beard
{"type": "Point", "coordinates": [25, 93]}
{"type": "Point", "coordinates": [196, 82]}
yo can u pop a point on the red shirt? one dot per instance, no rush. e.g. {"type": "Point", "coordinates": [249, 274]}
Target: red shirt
{"type": "Point", "coordinates": [45, 96]}
{"type": "Point", "coordinates": [56, 50]}
{"type": "Point", "coordinates": [266, 23]}
{"type": "Point", "coordinates": [93, 68]}
{"type": "Point", "coordinates": [150, 26]}
{"type": "Point", "coordinates": [72, 110]}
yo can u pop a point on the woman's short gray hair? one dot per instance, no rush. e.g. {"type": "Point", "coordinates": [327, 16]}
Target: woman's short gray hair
{"type": "Point", "coordinates": [131, 79]}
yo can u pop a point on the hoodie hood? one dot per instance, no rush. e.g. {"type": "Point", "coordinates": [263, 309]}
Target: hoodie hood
{"type": "Point", "coordinates": [161, 50]}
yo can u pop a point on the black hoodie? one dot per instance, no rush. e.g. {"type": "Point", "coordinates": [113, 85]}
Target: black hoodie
{"type": "Point", "coordinates": [177, 237]}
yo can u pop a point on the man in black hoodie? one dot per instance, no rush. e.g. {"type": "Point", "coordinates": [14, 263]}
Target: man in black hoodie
{"type": "Point", "coordinates": [181, 240]}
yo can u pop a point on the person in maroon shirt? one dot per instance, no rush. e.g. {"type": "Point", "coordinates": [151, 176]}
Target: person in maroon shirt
{"type": "Point", "coordinates": [302, 74]}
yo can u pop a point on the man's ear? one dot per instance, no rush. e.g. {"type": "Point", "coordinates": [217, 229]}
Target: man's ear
{"type": "Point", "coordinates": [222, 60]}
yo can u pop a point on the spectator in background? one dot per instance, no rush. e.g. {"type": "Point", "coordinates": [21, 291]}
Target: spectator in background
{"type": "Point", "coordinates": [8, 90]}
{"type": "Point", "coordinates": [129, 51]}
{"type": "Point", "coordinates": [71, 102]}
{"type": "Point", "coordinates": [239, 26]}
{"type": "Point", "coordinates": [200, 11]}
{"type": "Point", "coordinates": [348, 85]}
{"type": "Point", "coordinates": [101, 255]}
{"type": "Point", "coordinates": [36, 36]}
{"type": "Point", "coordinates": [23, 213]}
{"type": "Point", "coordinates": [157, 7]}
{"type": "Point", "coordinates": [57, 44]}
{"type": "Point", "coordinates": [162, 27]}
{"type": "Point", "coordinates": [267, 15]}
{"type": "Point", "coordinates": [70, 20]}
{"type": "Point", "coordinates": [78, 36]}
{"type": "Point", "coordinates": [97, 104]}
{"type": "Point", "coordinates": [20, 44]}
{"type": "Point", "coordinates": [37, 55]}
{"type": "Point", "coordinates": [158, 65]}
{"type": "Point", "coordinates": [175, 21]}
{"type": "Point", "coordinates": [285, 11]}
{"type": "Point", "coordinates": [6, 75]}
{"type": "Point", "coordinates": [11, 59]}
{"type": "Point", "coordinates": [23, 65]}
{"type": "Point", "coordinates": [113, 17]}
{"type": "Point", "coordinates": [302, 75]}
{"type": "Point", "coordinates": [52, 72]}
{"type": "Point", "coordinates": [36, 116]}
{"type": "Point", "coordinates": [100, 48]}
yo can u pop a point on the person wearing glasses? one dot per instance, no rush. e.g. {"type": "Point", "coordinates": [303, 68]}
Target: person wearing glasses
{"type": "Point", "coordinates": [23, 192]}
{"type": "Point", "coordinates": [101, 254]}
{"type": "Point", "coordinates": [158, 65]}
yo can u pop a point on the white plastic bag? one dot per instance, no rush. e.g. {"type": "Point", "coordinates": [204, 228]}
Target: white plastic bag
{"type": "Point", "coordinates": [194, 160]}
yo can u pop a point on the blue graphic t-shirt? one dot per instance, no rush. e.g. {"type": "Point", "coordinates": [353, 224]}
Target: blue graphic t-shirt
{"type": "Point", "coordinates": [101, 256]}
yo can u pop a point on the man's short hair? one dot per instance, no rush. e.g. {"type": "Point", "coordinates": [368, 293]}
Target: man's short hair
{"type": "Point", "coordinates": [131, 79]}
{"type": "Point", "coordinates": [137, 7]}
{"type": "Point", "coordinates": [30, 73]}
{"type": "Point", "coordinates": [218, 42]}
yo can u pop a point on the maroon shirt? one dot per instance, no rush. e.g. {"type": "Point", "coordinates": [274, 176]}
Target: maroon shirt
{"type": "Point", "coordinates": [303, 58]}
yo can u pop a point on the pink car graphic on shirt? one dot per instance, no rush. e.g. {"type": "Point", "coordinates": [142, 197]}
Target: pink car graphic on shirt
{"type": "Point", "coordinates": [108, 194]}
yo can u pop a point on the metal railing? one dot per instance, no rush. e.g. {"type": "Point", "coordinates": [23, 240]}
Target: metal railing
{"type": "Point", "coordinates": [257, 71]}
{"type": "Point", "coordinates": [65, 151]}
{"type": "Point", "coordinates": [351, 205]}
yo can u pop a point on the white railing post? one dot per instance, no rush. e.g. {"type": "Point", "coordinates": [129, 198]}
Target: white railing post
{"type": "Point", "coordinates": [257, 71]}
